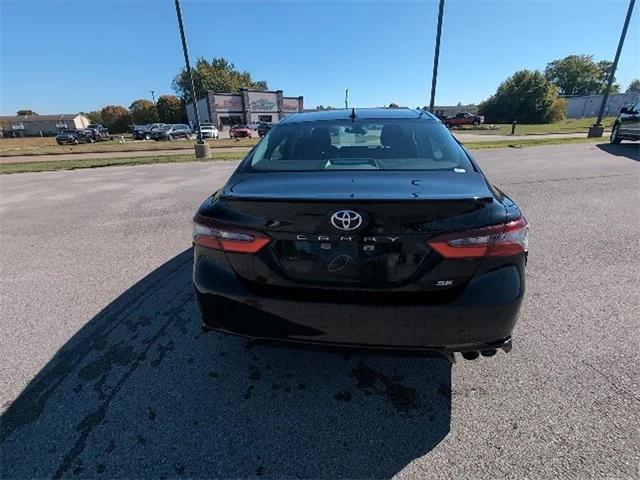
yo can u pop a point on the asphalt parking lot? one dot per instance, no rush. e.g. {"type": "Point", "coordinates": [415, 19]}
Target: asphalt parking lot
{"type": "Point", "coordinates": [106, 373]}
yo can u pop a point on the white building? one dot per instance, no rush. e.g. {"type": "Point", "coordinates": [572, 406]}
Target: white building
{"type": "Point", "coordinates": [589, 105]}
{"type": "Point", "coordinates": [32, 125]}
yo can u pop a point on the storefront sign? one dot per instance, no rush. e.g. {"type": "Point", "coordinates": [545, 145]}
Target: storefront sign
{"type": "Point", "coordinates": [263, 102]}
{"type": "Point", "coordinates": [227, 102]}
{"type": "Point", "coordinates": [290, 104]}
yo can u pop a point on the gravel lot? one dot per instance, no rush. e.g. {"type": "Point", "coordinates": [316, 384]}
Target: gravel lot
{"type": "Point", "coordinates": [106, 373]}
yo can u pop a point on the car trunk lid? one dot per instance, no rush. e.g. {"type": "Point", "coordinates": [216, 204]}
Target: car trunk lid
{"type": "Point", "coordinates": [384, 244]}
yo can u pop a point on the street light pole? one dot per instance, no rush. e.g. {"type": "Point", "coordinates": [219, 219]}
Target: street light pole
{"type": "Point", "coordinates": [199, 152]}
{"type": "Point", "coordinates": [346, 98]}
{"type": "Point", "coordinates": [436, 57]}
{"type": "Point", "coordinates": [597, 129]}
{"type": "Point", "coordinates": [155, 106]}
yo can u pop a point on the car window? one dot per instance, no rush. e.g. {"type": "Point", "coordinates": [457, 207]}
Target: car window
{"type": "Point", "coordinates": [360, 145]}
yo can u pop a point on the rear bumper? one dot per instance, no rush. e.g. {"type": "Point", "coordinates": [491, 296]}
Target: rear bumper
{"type": "Point", "coordinates": [482, 317]}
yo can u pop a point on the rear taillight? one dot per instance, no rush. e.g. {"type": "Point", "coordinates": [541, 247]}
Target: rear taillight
{"type": "Point", "coordinates": [498, 240]}
{"type": "Point", "coordinates": [229, 239]}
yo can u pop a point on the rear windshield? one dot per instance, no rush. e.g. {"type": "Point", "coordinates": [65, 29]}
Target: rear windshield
{"type": "Point", "coordinates": [359, 145]}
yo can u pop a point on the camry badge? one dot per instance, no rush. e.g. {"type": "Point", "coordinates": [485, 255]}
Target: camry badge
{"type": "Point", "coordinates": [346, 220]}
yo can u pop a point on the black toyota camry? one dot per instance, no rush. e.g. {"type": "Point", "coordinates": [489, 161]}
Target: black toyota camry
{"type": "Point", "coordinates": [365, 228]}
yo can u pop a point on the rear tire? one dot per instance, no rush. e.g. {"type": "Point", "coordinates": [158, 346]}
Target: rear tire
{"type": "Point", "coordinates": [476, 123]}
{"type": "Point", "coordinates": [614, 138]}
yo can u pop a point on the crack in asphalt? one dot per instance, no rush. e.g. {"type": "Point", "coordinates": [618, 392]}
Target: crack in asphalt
{"type": "Point", "coordinates": [95, 418]}
{"type": "Point", "coordinates": [37, 394]}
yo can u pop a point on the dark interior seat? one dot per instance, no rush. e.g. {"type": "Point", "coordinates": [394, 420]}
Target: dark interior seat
{"type": "Point", "coordinates": [397, 143]}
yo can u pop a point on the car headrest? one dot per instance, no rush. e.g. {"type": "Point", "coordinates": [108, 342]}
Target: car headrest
{"type": "Point", "coordinates": [321, 138]}
{"type": "Point", "coordinates": [392, 136]}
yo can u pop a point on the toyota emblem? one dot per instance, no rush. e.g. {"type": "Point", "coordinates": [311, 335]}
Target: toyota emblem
{"type": "Point", "coordinates": [346, 220]}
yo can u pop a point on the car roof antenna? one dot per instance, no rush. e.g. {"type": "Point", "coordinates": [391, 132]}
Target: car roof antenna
{"type": "Point", "coordinates": [353, 115]}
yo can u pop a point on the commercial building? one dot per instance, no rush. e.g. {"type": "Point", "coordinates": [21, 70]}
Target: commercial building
{"type": "Point", "coordinates": [35, 125]}
{"type": "Point", "coordinates": [250, 106]}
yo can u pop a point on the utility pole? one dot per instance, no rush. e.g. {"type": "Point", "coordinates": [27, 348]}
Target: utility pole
{"type": "Point", "coordinates": [346, 98]}
{"type": "Point", "coordinates": [202, 149]}
{"type": "Point", "coordinates": [436, 57]}
{"type": "Point", "coordinates": [597, 129]}
{"type": "Point", "coordinates": [155, 106]}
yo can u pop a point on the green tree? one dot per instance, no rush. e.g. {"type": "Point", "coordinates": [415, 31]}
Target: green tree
{"type": "Point", "coordinates": [20, 113]}
{"type": "Point", "coordinates": [526, 97]}
{"type": "Point", "coordinates": [171, 109]}
{"type": "Point", "coordinates": [394, 105]}
{"type": "Point", "coordinates": [219, 75]}
{"type": "Point", "coordinates": [116, 118]}
{"type": "Point", "coordinates": [580, 75]}
{"type": "Point", "coordinates": [634, 86]}
{"type": "Point", "coordinates": [94, 116]}
{"type": "Point", "coordinates": [142, 111]}
{"type": "Point", "coordinates": [605, 67]}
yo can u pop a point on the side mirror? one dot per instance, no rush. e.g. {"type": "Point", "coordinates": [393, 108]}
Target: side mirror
{"type": "Point", "coordinates": [625, 110]}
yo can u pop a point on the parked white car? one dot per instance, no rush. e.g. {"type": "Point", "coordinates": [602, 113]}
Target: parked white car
{"type": "Point", "coordinates": [208, 130]}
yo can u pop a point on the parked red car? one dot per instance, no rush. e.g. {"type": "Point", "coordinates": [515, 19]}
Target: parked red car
{"type": "Point", "coordinates": [240, 131]}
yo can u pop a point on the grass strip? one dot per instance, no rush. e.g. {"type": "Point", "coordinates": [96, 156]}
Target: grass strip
{"type": "Point", "coordinates": [51, 165]}
{"type": "Point", "coordinates": [28, 146]}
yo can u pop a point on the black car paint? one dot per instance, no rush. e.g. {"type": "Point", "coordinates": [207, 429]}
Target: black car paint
{"type": "Point", "coordinates": [397, 299]}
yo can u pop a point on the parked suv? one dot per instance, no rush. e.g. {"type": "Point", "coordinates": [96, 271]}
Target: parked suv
{"type": "Point", "coordinates": [208, 130]}
{"type": "Point", "coordinates": [73, 136]}
{"type": "Point", "coordinates": [143, 132]}
{"type": "Point", "coordinates": [98, 131]}
{"type": "Point", "coordinates": [627, 125]}
{"type": "Point", "coordinates": [172, 132]}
